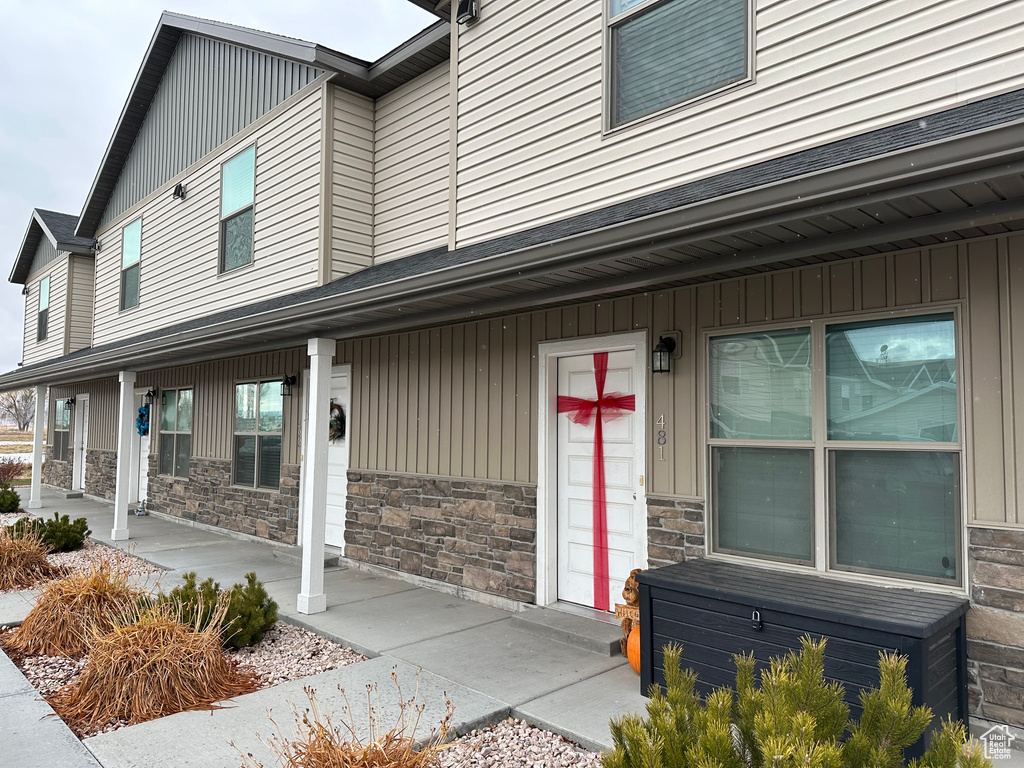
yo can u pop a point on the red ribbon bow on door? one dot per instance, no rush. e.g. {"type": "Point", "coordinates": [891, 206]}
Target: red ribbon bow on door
{"type": "Point", "coordinates": [604, 408]}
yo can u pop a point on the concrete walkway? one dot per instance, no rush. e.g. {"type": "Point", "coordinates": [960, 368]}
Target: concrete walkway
{"type": "Point", "coordinates": [474, 654]}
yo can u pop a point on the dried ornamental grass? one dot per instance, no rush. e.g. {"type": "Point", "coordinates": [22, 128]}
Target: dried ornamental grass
{"type": "Point", "coordinates": [147, 667]}
{"type": "Point", "coordinates": [23, 562]}
{"type": "Point", "coordinates": [70, 609]}
{"type": "Point", "coordinates": [319, 743]}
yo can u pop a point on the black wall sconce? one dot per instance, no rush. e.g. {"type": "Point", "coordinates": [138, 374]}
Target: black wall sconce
{"type": "Point", "coordinates": [179, 192]}
{"type": "Point", "coordinates": [286, 385]}
{"type": "Point", "coordinates": [69, 403]}
{"type": "Point", "coordinates": [150, 397]}
{"type": "Point", "coordinates": [467, 11]}
{"type": "Point", "coordinates": [669, 346]}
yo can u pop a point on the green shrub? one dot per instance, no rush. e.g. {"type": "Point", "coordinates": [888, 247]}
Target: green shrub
{"type": "Point", "coordinates": [62, 535]}
{"type": "Point", "coordinates": [249, 610]}
{"type": "Point", "coordinates": [784, 718]}
{"type": "Point", "coordinates": [59, 534]}
{"type": "Point", "coordinates": [10, 501]}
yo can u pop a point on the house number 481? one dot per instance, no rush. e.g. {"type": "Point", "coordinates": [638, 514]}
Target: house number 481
{"type": "Point", "coordinates": [662, 437]}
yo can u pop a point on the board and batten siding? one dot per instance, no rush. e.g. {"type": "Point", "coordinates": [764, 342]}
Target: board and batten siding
{"type": "Point", "coordinates": [83, 274]}
{"type": "Point", "coordinates": [210, 91]}
{"type": "Point", "coordinates": [54, 345]}
{"type": "Point", "coordinates": [411, 167]}
{"type": "Point", "coordinates": [179, 272]}
{"type": "Point", "coordinates": [46, 253]}
{"type": "Point", "coordinates": [103, 405]}
{"type": "Point", "coordinates": [461, 400]}
{"type": "Point", "coordinates": [530, 143]}
{"type": "Point", "coordinates": [351, 214]}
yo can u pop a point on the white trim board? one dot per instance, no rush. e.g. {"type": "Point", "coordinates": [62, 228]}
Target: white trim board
{"type": "Point", "coordinates": [547, 454]}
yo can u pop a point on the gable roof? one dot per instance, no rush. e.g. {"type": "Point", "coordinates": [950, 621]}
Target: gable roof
{"type": "Point", "coordinates": [59, 229]}
{"type": "Point", "coordinates": [372, 79]}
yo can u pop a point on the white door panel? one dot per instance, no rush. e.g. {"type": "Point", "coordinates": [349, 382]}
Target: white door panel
{"type": "Point", "coordinates": [337, 467]}
{"type": "Point", "coordinates": [575, 468]}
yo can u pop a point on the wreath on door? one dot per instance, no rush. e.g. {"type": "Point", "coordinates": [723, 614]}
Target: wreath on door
{"type": "Point", "coordinates": [142, 421]}
{"type": "Point", "coordinates": [336, 427]}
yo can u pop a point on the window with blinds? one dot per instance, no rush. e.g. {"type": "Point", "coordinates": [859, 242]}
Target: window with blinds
{"type": "Point", "coordinates": [131, 257]}
{"type": "Point", "coordinates": [237, 192]}
{"type": "Point", "coordinates": [175, 431]}
{"type": "Point", "coordinates": [259, 420]}
{"type": "Point", "coordinates": [43, 314]}
{"type": "Point", "coordinates": [668, 52]}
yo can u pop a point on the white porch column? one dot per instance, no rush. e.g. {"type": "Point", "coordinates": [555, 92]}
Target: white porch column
{"type": "Point", "coordinates": [36, 498]}
{"type": "Point", "coordinates": [314, 495]}
{"type": "Point", "coordinates": [125, 423]}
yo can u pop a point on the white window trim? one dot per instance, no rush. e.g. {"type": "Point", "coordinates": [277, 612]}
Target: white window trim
{"type": "Point", "coordinates": [821, 512]}
{"type": "Point", "coordinates": [608, 128]}
{"type": "Point", "coordinates": [161, 433]}
{"type": "Point", "coordinates": [123, 269]}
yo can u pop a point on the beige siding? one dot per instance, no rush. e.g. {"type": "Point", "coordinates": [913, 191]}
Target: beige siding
{"type": "Point", "coordinates": [351, 223]}
{"type": "Point", "coordinates": [54, 344]}
{"type": "Point", "coordinates": [461, 400]}
{"type": "Point", "coordinates": [214, 398]}
{"type": "Point", "coordinates": [103, 405]}
{"type": "Point", "coordinates": [83, 273]}
{"type": "Point", "coordinates": [531, 148]}
{"type": "Point", "coordinates": [410, 192]}
{"type": "Point", "coordinates": [179, 276]}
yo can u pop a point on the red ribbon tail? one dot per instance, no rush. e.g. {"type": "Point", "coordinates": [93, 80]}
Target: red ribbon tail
{"type": "Point", "coordinates": [600, 523]}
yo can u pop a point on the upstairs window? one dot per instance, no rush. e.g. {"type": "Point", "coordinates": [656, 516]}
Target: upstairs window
{"type": "Point", "coordinates": [668, 52]}
{"type": "Point", "coordinates": [44, 308]}
{"type": "Point", "coordinates": [259, 417]}
{"type": "Point", "coordinates": [237, 191]}
{"type": "Point", "coordinates": [61, 430]}
{"type": "Point", "coordinates": [175, 431]}
{"type": "Point", "coordinates": [131, 256]}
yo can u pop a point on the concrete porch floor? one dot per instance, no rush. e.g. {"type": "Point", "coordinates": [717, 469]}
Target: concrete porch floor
{"type": "Point", "coordinates": [472, 653]}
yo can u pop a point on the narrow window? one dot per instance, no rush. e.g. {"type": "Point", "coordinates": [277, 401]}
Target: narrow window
{"type": "Point", "coordinates": [237, 190]}
{"type": "Point", "coordinates": [44, 309]}
{"type": "Point", "coordinates": [175, 431]}
{"type": "Point", "coordinates": [666, 52]}
{"type": "Point", "coordinates": [131, 256]}
{"type": "Point", "coordinates": [259, 416]}
{"type": "Point", "coordinates": [61, 430]}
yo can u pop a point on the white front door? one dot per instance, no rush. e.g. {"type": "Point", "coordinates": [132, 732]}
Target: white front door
{"type": "Point", "coordinates": [585, 567]}
{"type": "Point", "coordinates": [140, 455]}
{"type": "Point", "coordinates": [81, 440]}
{"type": "Point", "coordinates": [337, 460]}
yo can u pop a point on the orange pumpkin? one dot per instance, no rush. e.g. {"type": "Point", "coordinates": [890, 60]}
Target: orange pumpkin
{"type": "Point", "coordinates": [633, 649]}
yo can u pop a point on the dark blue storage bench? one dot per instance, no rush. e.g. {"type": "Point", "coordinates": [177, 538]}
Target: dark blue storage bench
{"type": "Point", "coordinates": [715, 609]}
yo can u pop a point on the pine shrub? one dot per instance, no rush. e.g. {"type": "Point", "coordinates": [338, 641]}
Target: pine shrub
{"type": "Point", "coordinates": [59, 534]}
{"type": "Point", "coordinates": [248, 610]}
{"type": "Point", "coordinates": [787, 716]}
{"type": "Point", "coordinates": [10, 501]}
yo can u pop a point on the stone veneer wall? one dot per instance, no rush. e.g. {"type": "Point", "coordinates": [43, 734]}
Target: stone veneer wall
{"type": "Point", "coordinates": [101, 473]}
{"type": "Point", "coordinates": [208, 496]}
{"type": "Point", "coordinates": [995, 625]}
{"type": "Point", "coordinates": [476, 534]}
{"type": "Point", "coordinates": [57, 473]}
{"type": "Point", "coordinates": [675, 530]}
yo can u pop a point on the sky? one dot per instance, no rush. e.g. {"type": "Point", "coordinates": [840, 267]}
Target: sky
{"type": "Point", "coordinates": [66, 67]}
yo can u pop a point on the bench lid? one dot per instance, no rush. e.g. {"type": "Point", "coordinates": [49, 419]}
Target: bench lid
{"type": "Point", "coordinates": [909, 612]}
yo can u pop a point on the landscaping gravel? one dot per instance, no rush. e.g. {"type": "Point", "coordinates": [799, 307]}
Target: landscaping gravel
{"type": "Point", "coordinates": [287, 653]}
{"type": "Point", "coordinates": [11, 518]}
{"type": "Point", "coordinates": [81, 560]}
{"type": "Point", "coordinates": [516, 744]}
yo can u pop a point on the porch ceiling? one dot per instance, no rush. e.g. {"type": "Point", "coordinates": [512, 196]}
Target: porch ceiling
{"type": "Point", "coordinates": [922, 197]}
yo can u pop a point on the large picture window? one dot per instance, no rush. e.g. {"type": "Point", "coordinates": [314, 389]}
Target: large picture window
{"type": "Point", "coordinates": [837, 446]}
{"type": "Point", "coordinates": [237, 192]}
{"type": "Point", "coordinates": [131, 258]}
{"type": "Point", "coordinates": [667, 52]}
{"type": "Point", "coordinates": [176, 409]}
{"type": "Point", "coordinates": [259, 418]}
{"type": "Point", "coordinates": [43, 316]}
{"type": "Point", "coordinates": [61, 430]}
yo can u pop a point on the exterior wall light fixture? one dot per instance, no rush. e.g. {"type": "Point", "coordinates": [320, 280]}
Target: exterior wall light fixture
{"type": "Point", "coordinates": [467, 12]}
{"type": "Point", "coordinates": [286, 385]}
{"type": "Point", "coordinates": [69, 403]}
{"type": "Point", "coordinates": [665, 350]}
{"type": "Point", "coordinates": [150, 397]}
{"type": "Point", "coordinates": [179, 191]}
